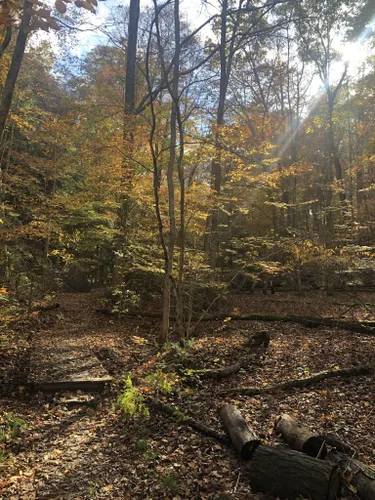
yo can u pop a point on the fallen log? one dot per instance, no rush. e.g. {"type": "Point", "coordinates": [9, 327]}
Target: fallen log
{"type": "Point", "coordinates": [357, 476]}
{"type": "Point", "coordinates": [219, 373]}
{"type": "Point", "coordinates": [183, 419]}
{"type": "Point", "coordinates": [311, 322]}
{"type": "Point", "coordinates": [367, 327]}
{"type": "Point", "coordinates": [299, 437]}
{"type": "Point", "coordinates": [243, 437]}
{"type": "Point", "coordinates": [288, 474]}
{"type": "Point", "coordinates": [258, 340]}
{"type": "Point", "coordinates": [301, 382]}
{"type": "Point", "coordinates": [340, 445]}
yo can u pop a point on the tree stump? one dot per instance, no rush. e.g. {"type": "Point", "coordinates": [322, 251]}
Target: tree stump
{"type": "Point", "coordinates": [241, 434]}
{"type": "Point", "coordinates": [290, 475]}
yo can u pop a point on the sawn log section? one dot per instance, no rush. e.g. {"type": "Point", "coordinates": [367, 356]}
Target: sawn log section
{"type": "Point", "coordinates": [291, 475]}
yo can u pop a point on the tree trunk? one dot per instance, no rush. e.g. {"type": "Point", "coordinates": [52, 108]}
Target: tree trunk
{"type": "Point", "coordinates": [15, 65]}
{"type": "Point", "coordinates": [129, 108]}
{"type": "Point", "coordinates": [241, 434]}
{"type": "Point", "coordinates": [299, 437]}
{"type": "Point", "coordinates": [291, 475]}
{"type": "Point", "coordinates": [216, 162]}
{"type": "Point", "coordinates": [127, 173]}
{"type": "Point", "coordinates": [170, 181]}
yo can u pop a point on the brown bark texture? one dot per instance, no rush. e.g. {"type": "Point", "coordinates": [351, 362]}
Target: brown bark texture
{"type": "Point", "coordinates": [359, 477]}
{"type": "Point", "coordinates": [290, 475]}
{"type": "Point", "coordinates": [243, 437]}
{"type": "Point", "coordinates": [299, 437]}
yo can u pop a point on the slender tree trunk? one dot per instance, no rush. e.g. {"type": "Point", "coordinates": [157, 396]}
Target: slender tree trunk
{"type": "Point", "coordinates": [216, 162]}
{"type": "Point", "coordinates": [15, 65]}
{"type": "Point", "coordinates": [3, 180]}
{"type": "Point", "coordinates": [170, 181]}
{"type": "Point", "coordinates": [335, 159]}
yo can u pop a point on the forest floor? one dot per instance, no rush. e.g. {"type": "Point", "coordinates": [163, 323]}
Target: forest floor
{"type": "Point", "coordinates": [90, 451]}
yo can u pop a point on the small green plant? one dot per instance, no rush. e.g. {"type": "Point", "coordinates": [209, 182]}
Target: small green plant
{"type": "Point", "coordinates": [170, 482]}
{"type": "Point", "coordinates": [91, 491]}
{"type": "Point", "coordinates": [11, 426]}
{"type": "Point", "coordinates": [124, 299]}
{"type": "Point", "coordinates": [143, 432]}
{"type": "Point", "coordinates": [141, 446]}
{"type": "Point", "coordinates": [162, 382]}
{"type": "Point", "coordinates": [131, 400]}
{"type": "Point", "coordinates": [3, 456]}
{"type": "Point", "coordinates": [151, 456]}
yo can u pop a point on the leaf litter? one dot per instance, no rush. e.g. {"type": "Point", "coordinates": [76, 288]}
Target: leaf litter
{"type": "Point", "coordinates": [79, 446]}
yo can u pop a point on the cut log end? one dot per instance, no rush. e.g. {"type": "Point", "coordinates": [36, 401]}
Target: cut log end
{"type": "Point", "coordinates": [299, 437]}
{"type": "Point", "coordinates": [315, 447]}
{"type": "Point", "coordinates": [248, 449]}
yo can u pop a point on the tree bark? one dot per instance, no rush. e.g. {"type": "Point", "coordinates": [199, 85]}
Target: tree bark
{"type": "Point", "coordinates": [291, 475]}
{"type": "Point", "coordinates": [355, 473]}
{"type": "Point", "coordinates": [243, 437]}
{"type": "Point", "coordinates": [129, 107]}
{"type": "Point", "coordinates": [299, 437]}
{"type": "Point", "coordinates": [15, 65]}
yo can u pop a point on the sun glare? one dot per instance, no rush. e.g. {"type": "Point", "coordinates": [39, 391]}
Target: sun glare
{"type": "Point", "coordinates": [354, 54]}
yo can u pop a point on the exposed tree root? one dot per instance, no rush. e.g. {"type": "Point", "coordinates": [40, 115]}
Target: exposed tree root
{"type": "Point", "coordinates": [302, 382]}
